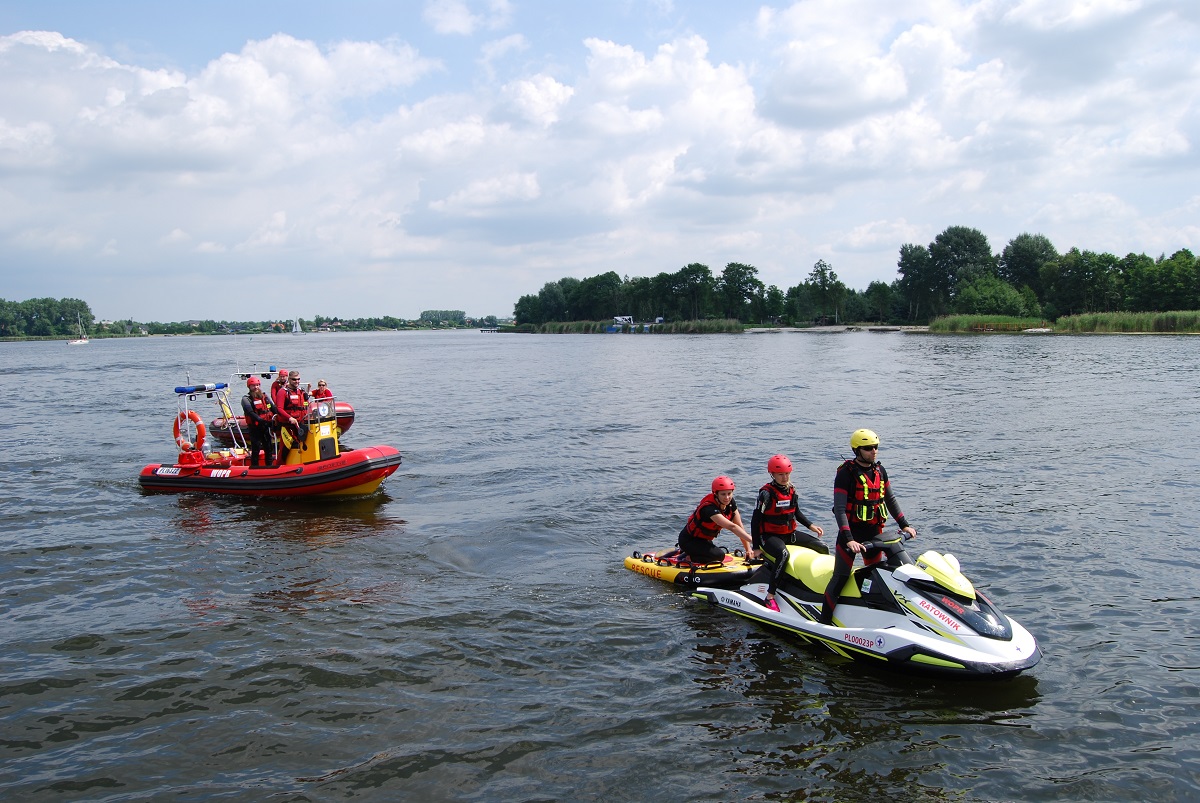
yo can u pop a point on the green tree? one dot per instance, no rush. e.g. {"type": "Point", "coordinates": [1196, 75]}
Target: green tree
{"type": "Point", "coordinates": [774, 303]}
{"type": "Point", "coordinates": [825, 289]}
{"type": "Point", "coordinates": [552, 303]}
{"type": "Point", "coordinates": [961, 254]}
{"type": "Point", "coordinates": [925, 290]}
{"type": "Point", "coordinates": [1021, 261]}
{"type": "Point", "coordinates": [695, 286]}
{"type": "Point", "coordinates": [1081, 281]}
{"type": "Point", "coordinates": [597, 298]}
{"type": "Point", "coordinates": [989, 295]}
{"type": "Point", "coordinates": [1139, 283]}
{"type": "Point", "coordinates": [528, 310]}
{"type": "Point", "coordinates": [738, 287]}
{"type": "Point", "coordinates": [878, 298]}
{"type": "Point", "coordinates": [799, 305]}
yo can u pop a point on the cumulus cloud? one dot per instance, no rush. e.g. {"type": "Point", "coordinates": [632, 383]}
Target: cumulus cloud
{"type": "Point", "coordinates": [844, 130]}
{"type": "Point", "coordinates": [458, 16]}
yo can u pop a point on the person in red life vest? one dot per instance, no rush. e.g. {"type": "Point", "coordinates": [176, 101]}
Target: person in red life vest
{"type": "Point", "coordinates": [862, 501]}
{"type": "Point", "coordinates": [291, 406]}
{"type": "Point", "coordinates": [773, 523]}
{"type": "Point", "coordinates": [260, 417]}
{"type": "Point", "coordinates": [277, 384]}
{"type": "Point", "coordinates": [322, 391]}
{"type": "Point", "coordinates": [717, 511]}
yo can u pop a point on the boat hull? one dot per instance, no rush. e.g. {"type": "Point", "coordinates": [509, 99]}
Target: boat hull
{"type": "Point", "coordinates": [885, 640]}
{"type": "Point", "coordinates": [900, 617]}
{"type": "Point", "coordinates": [354, 472]}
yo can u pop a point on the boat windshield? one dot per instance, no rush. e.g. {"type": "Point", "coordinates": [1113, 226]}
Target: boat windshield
{"type": "Point", "coordinates": [321, 410]}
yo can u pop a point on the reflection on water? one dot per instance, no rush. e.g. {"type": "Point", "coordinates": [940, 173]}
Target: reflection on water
{"type": "Point", "coordinates": [470, 633]}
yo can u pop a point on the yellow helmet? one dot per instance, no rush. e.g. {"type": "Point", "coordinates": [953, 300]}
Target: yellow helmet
{"type": "Point", "coordinates": [863, 437]}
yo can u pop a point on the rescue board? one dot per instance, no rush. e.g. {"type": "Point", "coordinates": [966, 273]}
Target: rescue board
{"type": "Point", "coordinates": [672, 566]}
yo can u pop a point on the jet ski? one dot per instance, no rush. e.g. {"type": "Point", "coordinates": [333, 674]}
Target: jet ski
{"type": "Point", "coordinates": [923, 617]}
{"type": "Point", "coordinates": [674, 566]}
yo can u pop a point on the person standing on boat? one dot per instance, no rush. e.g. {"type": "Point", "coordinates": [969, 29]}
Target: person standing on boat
{"type": "Point", "coordinates": [277, 385]}
{"type": "Point", "coordinates": [862, 501]}
{"type": "Point", "coordinates": [292, 411]}
{"type": "Point", "coordinates": [717, 511]}
{"type": "Point", "coordinates": [773, 523]}
{"type": "Point", "coordinates": [260, 417]}
{"type": "Point", "coordinates": [322, 391]}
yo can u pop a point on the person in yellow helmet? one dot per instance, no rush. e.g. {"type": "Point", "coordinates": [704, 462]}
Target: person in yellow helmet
{"type": "Point", "coordinates": [862, 502]}
{"type": "Point", "coordinates": [717, 511]}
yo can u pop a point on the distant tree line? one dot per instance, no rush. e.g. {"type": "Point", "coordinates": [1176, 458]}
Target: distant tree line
{"type": "Point", "coordinates": [444, 316]}
{"type": "Point", "coordinates": [45, 317]}
{"type": "Point", "coordinates": [49, 317]}
{"type": "Point", "coordinates": [956, 273]}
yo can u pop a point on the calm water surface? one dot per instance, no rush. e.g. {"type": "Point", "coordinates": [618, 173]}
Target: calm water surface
{"type": "Point", "coordinates": [469, 633]}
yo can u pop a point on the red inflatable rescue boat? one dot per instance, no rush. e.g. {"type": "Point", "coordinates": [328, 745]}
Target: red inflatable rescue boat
{"type": "Point", "coordinates": [315, 464]}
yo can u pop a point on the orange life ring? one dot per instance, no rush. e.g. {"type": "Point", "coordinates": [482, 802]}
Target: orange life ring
{"type": "Point", "coordinates": [194, 417]}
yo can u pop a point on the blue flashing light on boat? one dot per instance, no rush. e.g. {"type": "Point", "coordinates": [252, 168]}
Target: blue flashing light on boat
{"type": "Point", "coordinates": [209, 388]}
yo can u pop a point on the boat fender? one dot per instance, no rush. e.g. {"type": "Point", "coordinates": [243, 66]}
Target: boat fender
{"type": "Point", "coordinates": [194, 417]}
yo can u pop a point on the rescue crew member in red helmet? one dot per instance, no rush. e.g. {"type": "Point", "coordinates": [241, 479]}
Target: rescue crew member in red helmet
{"type": "Point", "coordinates": [717, 511]}
{"type": "Point", "coordinates": [281, 378]}
{"type": "Point", "coordinates": [260, 415]}
{"type": "Point", "coordinates": [862, 502]}
{"type": "Point", "coordinates": [773, 523]}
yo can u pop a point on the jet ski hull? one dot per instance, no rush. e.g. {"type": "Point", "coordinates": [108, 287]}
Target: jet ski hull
{"type": "Point", "coordinates": [897, 619]}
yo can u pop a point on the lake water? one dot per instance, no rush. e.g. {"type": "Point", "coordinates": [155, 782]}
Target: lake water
{"type": "Point", "coordinates": [469, 632]}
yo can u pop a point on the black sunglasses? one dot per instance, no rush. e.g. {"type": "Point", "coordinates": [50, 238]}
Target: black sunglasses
{"type": "Point", "coordinates": [872, 447]}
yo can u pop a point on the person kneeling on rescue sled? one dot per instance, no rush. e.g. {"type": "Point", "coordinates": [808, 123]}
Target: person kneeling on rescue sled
{"type": "Point", "coordinates": [773, 524]}
{"type": "Point", "coordinates": [862, 500]}
{"type": "Point", "coordinates": [260, 415]}
{"type": "Point", "coordinates": [717, 511]}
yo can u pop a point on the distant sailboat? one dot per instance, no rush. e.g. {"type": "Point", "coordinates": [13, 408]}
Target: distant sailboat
{"type": "Point", "coordinates": [82, 341]}
{"type": "Point", "coordinates": [296, 330]}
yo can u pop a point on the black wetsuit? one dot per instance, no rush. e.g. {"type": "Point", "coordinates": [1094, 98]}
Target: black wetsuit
{"type": "Point", "coordinates": [860, 515]}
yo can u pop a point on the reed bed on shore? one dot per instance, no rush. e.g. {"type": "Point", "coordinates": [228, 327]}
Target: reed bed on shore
{"type": "Point", "coordinates": [985, 323]}
{"type": "Point", "coordinates": [1181, 321]}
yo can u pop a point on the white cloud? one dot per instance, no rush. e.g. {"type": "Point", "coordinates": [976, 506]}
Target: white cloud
{"type": "Point", "coordinates": [878, 235]}
{"type": "Point", "coordinates": [538, 99]}
{"type": "Point", "coordinates": [842, 130]}
{"type": "Point", "coordinates": [490, 192]}
{"type": "Point", "coordinates": [457, 16]}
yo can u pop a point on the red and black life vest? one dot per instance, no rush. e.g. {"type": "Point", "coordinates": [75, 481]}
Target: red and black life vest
{"type": "Point", "coordinates": [294, 402]}
{"type": "Point", "coordinates": [866, 505]}
{"type": "Point", "coordinates": [779, 517]}
{"type": "Point", "coordinates": [262, 408]}
{"type": "Point", "coordinates": [699, 528]}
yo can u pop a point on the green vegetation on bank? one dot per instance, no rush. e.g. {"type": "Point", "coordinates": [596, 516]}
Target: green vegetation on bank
{"type": "Point", "coordinates": [956, 274]}
{"type": "Point", "coordinates": [1131, 322]}
{"type": "Point", "coordinates": [708, 327]}
{"type": "Point", "coordinates": [1107, 322]}
{"type": "Point", "coordinates": [985, 323]}
{"type": "Point", "coordinates": [49, 319]}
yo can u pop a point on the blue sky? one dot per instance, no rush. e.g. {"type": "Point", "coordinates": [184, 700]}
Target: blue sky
{"type": "Point", "coordinates": [169, 161]}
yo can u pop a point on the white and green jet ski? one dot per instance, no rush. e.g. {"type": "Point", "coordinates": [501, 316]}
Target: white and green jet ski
{"type": "Point", "coordinates": [921, 617]}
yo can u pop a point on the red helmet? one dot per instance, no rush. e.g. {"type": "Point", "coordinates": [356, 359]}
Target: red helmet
{"type": "Point", "coordinates": [253, 382]}
{"type": "Point", "coordinates": [723, 483]}
{"type": "Point", "coordinates": [779, 464]}
{"type": "Point", "coordinates": [283, 374]}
